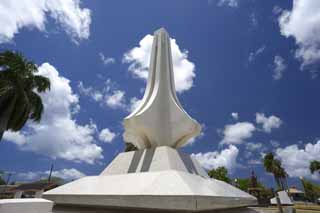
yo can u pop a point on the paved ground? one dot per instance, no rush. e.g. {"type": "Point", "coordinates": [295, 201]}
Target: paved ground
{"type": "Point", "coordinates": [245, 210]}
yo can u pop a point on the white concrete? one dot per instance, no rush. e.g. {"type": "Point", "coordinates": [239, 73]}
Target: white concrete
{"type": "Point", "coordinates": [161, 178]}
{"type": "Point", "coordinates": [32, 205]}
{"type": "Point", "coordinates": [38, 194]}
{"type": "Point", "coordinates": [155, 159]}
{"type": "Point", "coordinates": [284, 199]}
{"type": "Point", "coordinates": [160, 120]}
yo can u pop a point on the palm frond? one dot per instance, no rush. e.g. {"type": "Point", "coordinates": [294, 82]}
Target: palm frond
{"type": "Point", "coordinates": [36, 106]}
{"type": "Point", "coordinates": [41, 83]}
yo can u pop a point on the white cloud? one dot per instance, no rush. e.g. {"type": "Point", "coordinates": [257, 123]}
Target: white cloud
{"type": "Point", "coordinates": [116, 99]}
{"type": "Point", "coordinates": [66, 174]}
{"type": "Point", "coordinates": [237, 133]}
{"type": "Point", "coordinates": [58, 135]}
{"type": "Point", "coordinates": [254, 162]}
{"type": "Point", "coordinates": [134, 103]}
{"type": "Point", "coordinates": [106, 135]}
{"type": "Point", "coordinates": [254, 54]}
{"type": "Point", "coordinates": [191, 141]}
{"type": "Point", "coordinates": [106, 60]}
{"type": "Point", "coordinates": [274, 143]}
{"type": "Point", "coordinates": [268, 123]}
{"type": "Point", "coordinates": [226, 158]}
{"type": "Point", "coordinates": [139, 57]}
{"type": "Point", "coordinates": [296, 161]}
{"type": "Point", "coordinates": [17, 14]}
{"type": "Point", "coordinates": [230, 3]}
{"type": "Point", "coordinates": [108, 96]}
{"type": "Point", "coordinates": [253, 146]}
{"type": "Point", "coordinates": [279, 67]}
{"type": "Point", "coordinates": [17, 137]}
{"type": "Point", "coordinates": [254, 20]}
{"type": "Point", "coordinates": [276, 10]}
{"type": "Point", "coordinates": [303, 24]}
{"type": "Point", "coordinates": [235, 115]}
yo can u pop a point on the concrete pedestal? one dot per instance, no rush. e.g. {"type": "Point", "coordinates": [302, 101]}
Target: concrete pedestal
{"type": "Point", "coordinates": [33, 205]}
{"type": "Point", "coordinates": [155, 179]}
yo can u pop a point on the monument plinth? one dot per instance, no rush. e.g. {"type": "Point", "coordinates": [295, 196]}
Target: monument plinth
{"type": "Point", "coordinates": [157, 176]}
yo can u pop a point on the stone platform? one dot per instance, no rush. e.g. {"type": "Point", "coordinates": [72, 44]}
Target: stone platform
{"type": "Point", "coordinates": [152, 179]}
{"type": "Point", "coordinates": [66, 209]}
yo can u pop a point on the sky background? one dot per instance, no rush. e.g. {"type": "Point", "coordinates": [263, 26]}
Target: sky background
{"type": "Point", "coordinates": [246, 70]}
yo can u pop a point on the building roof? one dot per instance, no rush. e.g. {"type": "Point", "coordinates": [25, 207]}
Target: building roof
{"type": "Point", "coordinates": [33, 187]}
{"type": "Point", "coordinates": [294, 190]}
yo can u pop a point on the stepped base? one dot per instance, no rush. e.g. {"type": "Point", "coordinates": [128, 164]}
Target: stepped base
{"type": "Point", "coordinates": [176, 188]}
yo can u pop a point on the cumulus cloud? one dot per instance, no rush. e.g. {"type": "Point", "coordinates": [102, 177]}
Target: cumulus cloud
{"type": "Point", "coordinates": [303, 24]}
{"type": "Point", "coordinates": [279, 66]}
{"type": "Point", "coordinates": [235, 115]}
{"type": "Point", "coordinates": [268, 123]}
{"type": "Point", "coordinates": [106, 135]}
{"type": "Point", "coordinates": [33, 14]}
{"type": "Point", "coordinates": [139, 57]}
{"type": "Point", "coordinates": [296, 161]}
{"type": "Point", "coordinates": [58, 135]}
{"type": "Point", "coordinates": [237, 133]}
{"type": "Point", "coordinates": [226, 158]}
{"type": "Point", "coordinates": [66, 174]}
{"type": "Point", "coordinates": [106, 60]}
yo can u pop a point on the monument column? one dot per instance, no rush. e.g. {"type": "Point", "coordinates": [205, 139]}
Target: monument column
{"type": "Point", "coordinates": [157, 176]}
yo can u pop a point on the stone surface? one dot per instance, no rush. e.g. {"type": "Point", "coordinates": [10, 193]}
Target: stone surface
{"type": "Point", "coordinates": [33, 205]}
{"type": "Point", "coordinates": [155, 159]}
{"type": "Point", "coordinates": [68, 209]}
{"type": "Point", "coordinates": [165, 179]}
{"type": "Point", "coordinates": [160, 119]}
{"type": "Point", "coordinates": [284, 199]}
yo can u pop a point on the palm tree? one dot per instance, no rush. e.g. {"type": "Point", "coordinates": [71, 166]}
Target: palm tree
{"type": "Point", "coordinates": [19, 88]}
{"type": "Point", "coordinates": [273, 165]}
{"type": "Point", "coordinates": [314, 166]}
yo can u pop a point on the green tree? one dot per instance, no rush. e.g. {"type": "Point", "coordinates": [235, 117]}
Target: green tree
{"type": "Point", "coordinates": [19, 88]}
{"type": "Point", "coordinates": [220, 173]}
{"type": "Point", "coordinates": [273, 165]}
{"type": "Point", "coordinates": [2, 182]}
{"type": "Point", "coordinates": [312, 191]}
{"type": "Point", "coordinates": [314, 166]}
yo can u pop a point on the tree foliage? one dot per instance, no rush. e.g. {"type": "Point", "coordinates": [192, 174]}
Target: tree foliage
{"type": "Point", "coordinates": [273, 165]}
{"type": "Point", "coordinates": [220, 173]}
{"type": "Point", "coordinates": [312, 191]}
{"type": "Point", "coordinates": [19, 88]}
{"type": "Point", "coordinates": [314, 166]}
{"type": "Point", "coordinates": [2, 182]}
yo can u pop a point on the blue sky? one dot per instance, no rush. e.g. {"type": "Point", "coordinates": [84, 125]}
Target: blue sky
{"type": "Point", "coordinates": [247, 72]}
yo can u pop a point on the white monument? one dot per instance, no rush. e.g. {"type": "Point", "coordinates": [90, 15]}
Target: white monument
{"type": "Point", "coordinates": [157, 176]}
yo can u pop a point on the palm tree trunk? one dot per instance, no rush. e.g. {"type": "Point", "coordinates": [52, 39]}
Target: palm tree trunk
{"type": "Point", "coordinates": [277, 196]}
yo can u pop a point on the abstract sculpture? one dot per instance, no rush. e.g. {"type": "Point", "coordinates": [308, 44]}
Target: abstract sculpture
{"type": "Point", "coordinates": [160, 119]}
{"type": "Point", "coordinates": [157, 176]}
